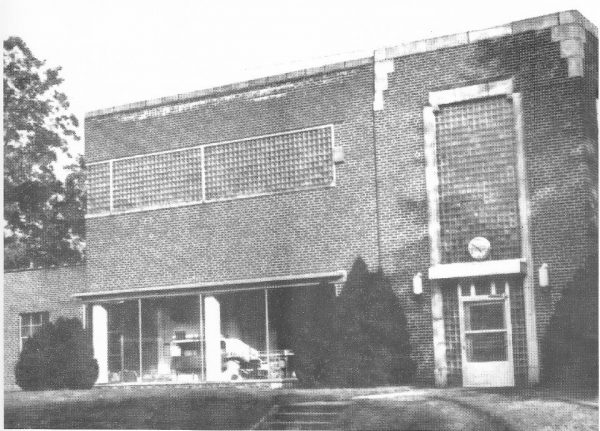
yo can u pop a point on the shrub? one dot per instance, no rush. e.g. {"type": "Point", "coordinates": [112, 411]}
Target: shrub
{"type": "Point", "coordinates": [313, 338]}
{"type": "Point", "coordinates": [371, 343]}
{"type": "Point", "coordinates": [58, 356]}
{"type": "Point", "coordinates": [570, 348]}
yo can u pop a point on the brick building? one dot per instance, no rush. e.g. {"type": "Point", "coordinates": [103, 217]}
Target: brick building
{"type": "Point", "coordinates": [465, 164]}
{"type": "Point", "coordinates": [32, 297]}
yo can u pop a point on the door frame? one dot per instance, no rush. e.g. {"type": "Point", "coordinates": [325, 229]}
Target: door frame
{"type": "Point", "coordinates": [492, 297]}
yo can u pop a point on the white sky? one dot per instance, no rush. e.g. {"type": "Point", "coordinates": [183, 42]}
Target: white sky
{"type": "Point", "coordinates": [114, 52]}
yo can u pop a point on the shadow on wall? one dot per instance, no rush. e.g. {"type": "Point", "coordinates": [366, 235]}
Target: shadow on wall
{"type": "Point", "coordinates": [570, 351]}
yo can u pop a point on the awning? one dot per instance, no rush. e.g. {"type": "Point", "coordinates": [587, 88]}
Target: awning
{"type": "Point", "coordinates": [214, 287]}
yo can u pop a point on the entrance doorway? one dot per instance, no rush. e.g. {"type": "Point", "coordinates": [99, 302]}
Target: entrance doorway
{"type": "Point", "coordinates": [486, 333]}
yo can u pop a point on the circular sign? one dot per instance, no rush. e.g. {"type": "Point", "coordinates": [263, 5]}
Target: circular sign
{"type": "Point", "coordinates": [479, 248]}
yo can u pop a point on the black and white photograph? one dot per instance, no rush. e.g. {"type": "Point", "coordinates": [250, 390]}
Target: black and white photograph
{"type": "Point", "coordinates": [300, 215]}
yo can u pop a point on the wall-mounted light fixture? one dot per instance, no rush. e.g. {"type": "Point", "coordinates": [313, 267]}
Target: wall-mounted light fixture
{"type": "Point", "coordinates": [543, 275]}
{"type": "Point", "coordinates": [338, 154]}
{"type": "Point", "coordinates": [418, 283]}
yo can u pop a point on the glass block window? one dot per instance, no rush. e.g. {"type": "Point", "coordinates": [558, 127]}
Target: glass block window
{"type": "Point", "coordinates": [98, 178]}
{"type": "Point", "coordinates": [157, 180]}
{"type": "Point", "coordinates": [519, 336]}
{"type": "Point", "coordinates": [270, 164]}
{"type": "Point", "coordinates": [477, 181]}
{"type": "Point", "coordinates": [452, 332]}
{"type": "Point", "coordinates": [249, 167]}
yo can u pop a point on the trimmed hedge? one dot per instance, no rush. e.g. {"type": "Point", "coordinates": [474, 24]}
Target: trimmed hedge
{"type": "Point", "coordinates": [58, 356]}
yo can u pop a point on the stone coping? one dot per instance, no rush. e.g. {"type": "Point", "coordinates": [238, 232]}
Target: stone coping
{"type": "Point", "coordinates": [416, 47]}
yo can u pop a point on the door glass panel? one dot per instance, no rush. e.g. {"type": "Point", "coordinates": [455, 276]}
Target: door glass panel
{"type": "Point", "coordinates": [480, 316]}
{"type": "Point", "coordinates": [486, 347]}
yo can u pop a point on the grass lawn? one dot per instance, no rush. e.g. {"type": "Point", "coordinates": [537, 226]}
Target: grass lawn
{"type": "Point", "coordinates": [394, 408]}
{"type": "Point", "coordinates": [162, 407]}
{"type": "Point", "coordinates": [159, 407]}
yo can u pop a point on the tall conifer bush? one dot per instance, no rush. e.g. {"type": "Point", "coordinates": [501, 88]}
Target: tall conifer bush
{"type": "Point", "coordinates": [371, 342]}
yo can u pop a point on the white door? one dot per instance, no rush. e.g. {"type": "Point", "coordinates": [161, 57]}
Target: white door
{"type": "Point", "coordinates": [486, 334]}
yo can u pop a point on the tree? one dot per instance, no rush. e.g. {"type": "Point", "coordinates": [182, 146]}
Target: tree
{"type": "Point", "coordinates": [43, 218]}
{"type": "Point", "coordinates": [58, 356]}
{"type": "Point", "coordinates": [371, 338]}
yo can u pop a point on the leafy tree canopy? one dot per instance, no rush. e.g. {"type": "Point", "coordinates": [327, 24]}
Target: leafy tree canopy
{"type": "Point", "coordinates": [43, 217]}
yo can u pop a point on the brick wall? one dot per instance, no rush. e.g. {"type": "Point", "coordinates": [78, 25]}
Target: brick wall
{"type": "Point", "coordinates": [325, 230]}
{"type": "Point", "coordinates": [294, 233]}
{"type": "Point", "coordinates": [37, 290]}
{"type": "Point", "coordinates": [556, 128]}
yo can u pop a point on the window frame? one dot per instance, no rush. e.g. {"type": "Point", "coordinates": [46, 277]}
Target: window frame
{"type": "Point", "coordinates": [44, 318]}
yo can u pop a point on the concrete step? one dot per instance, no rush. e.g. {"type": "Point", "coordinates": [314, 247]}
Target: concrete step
{"type": "Point", "coordinates": [324, 406]}
{"type": "Point", "coordinates": [297, 425]}
{"type": "Point", "coordinates": [303, 416]}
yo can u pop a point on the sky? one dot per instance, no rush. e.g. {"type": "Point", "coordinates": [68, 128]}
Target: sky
{"type": "Point", "coordinates": [114, 52]}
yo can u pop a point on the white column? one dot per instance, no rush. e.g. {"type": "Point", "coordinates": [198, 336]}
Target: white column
{"type": "Point", "coordinates": [212, 337]}
{"type": "Point", "coordinates": [202, 337]}
{"type": "Point", "coordinates": [140, 346]}
{"type": "Point", "coordinates": [100, 341]}
{"type": "Point", "coordinates": [164, 367]}
{"type": "Point", "coordinates": [267, 341]}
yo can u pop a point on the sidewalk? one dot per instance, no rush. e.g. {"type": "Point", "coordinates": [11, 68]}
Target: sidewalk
{"type": "Point", "coordinates": [531, 408]}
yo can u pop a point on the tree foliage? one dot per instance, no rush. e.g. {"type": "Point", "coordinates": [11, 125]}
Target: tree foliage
{"type": "Point", "coordinates": [43, 217]}
{"type": "Point", "coordinates": [59, 355]}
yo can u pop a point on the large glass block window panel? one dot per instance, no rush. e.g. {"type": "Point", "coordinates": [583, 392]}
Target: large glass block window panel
{"type": "Point", "coordinates": [270, 164]}
{"type": "Point", "coordinates": [478, 194]}
{"type": "Point", "coordinates": [98, 188]}
{"type": "Point", "coordinates": [157, 180]}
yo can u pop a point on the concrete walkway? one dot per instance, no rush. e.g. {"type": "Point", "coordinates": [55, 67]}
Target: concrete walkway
{"type": "Point", "coordinates": [490, 409]}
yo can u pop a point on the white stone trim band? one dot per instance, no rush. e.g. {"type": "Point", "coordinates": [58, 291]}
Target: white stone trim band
{"type": "Point", "coordinates": [477, 269]}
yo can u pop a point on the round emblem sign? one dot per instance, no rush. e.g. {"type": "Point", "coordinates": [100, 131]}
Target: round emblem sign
{"type": "Point", "coordinates": [479, 248]}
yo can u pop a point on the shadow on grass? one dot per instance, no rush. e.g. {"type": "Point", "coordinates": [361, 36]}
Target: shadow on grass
{"type": "Point", "coordinates": [177, 412]}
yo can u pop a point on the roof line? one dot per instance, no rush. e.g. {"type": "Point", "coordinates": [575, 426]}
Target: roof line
{"type": "Point", "coordinates": [409, 48]}
{"type": "Point", "coordinates": [43, 268]}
